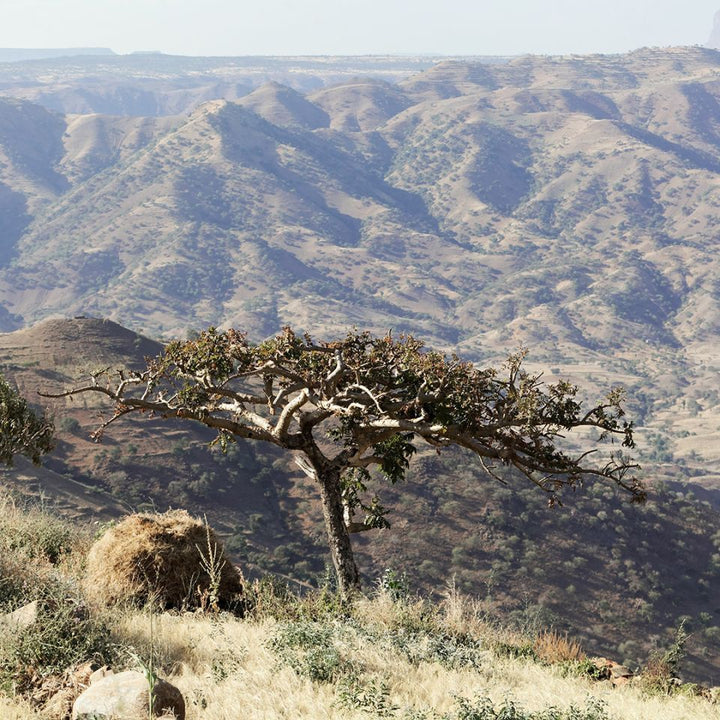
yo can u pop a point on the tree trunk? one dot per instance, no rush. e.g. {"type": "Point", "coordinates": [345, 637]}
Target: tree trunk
{"type": "Point", "coordinates": [338, 536]}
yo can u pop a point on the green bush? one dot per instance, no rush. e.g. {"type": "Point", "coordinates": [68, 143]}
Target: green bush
{"type": "Point", "coordinates": [312, 650]}
{"type": "Point", "coordinates": [63, 635]}
{"type": "Point", "coordinates": [371, 696]}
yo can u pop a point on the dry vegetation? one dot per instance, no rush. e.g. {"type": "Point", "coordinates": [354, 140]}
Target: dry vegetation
{"type": "Point", "coordinates": [172, 560]}
{"type": "Point", "coordinates": [389, 655]}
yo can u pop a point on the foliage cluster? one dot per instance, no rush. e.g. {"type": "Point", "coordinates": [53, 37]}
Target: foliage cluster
{"type": "Point", "coordinates": [374, 398]}
{"type": "Point", "coordinates": [21, 429]}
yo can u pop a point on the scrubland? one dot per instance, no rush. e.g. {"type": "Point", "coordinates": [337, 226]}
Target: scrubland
{"type": "Point", "coordinates": [285, 655]}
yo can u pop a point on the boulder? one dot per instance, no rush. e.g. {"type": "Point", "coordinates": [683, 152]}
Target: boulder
{"type": "Point", "coordinates": [126, 696]}
{"type": "Point", "coordinates": [22, 617]}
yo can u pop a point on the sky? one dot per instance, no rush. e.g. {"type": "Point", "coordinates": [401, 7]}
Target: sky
{"type": "Point", "coordinates": [356, 27]}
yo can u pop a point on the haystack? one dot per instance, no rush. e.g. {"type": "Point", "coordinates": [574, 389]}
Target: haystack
{"type": "Point", "coordinates": [161, 558]}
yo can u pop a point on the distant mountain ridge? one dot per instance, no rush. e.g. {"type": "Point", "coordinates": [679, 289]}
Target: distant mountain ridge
{"type": "Point", "coordinates": [22, 54]}
{"type": "Point", "coordinates": [564, 204]}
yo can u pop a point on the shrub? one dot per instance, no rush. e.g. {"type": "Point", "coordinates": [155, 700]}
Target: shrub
{"type": "Point", "coordinates": [311, 649]}
{"type": "Point", "coordinates": [32, 533]}
{"type": "Point", "coordinates": [64, 634]}
{"type": "Point", "coordinates": [551, 647]}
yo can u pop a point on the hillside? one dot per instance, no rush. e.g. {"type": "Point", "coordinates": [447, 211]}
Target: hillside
{"type": "Point", "coordinates": [563, 204]}
{"type": "Point", "coordinates": [280, 654]}
{"type": "Point", "coordinates": [594, 567]}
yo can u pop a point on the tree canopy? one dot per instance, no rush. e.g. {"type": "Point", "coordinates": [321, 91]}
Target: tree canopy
{"type": "Point", "coordinates": [363, 402]}
{"type": "Point", "coordinates": [22, 432]}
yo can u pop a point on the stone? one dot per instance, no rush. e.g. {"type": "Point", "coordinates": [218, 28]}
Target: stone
{"type": "Point", "coordinates": [621, 671]}
{"type": "Point", "coordinates": [99, 674]}
{"type": "Point", "coordinates": [620, 675]}
{"type": "Point", "coordinates": [22, 617]}
{"type": "Point", "coordinates": [125, 696]}
{"type": "Point", "coordinates": [603, 665]}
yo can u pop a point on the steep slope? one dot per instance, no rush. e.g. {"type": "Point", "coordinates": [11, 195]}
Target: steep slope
{"type": "Point", "coordinates": [231, 211]}
{"type": "Point", "coordinates": [154, 463]}
{"type": "Point", "coordinates": [96, 142]}
{"type": "Point", "coordinates": [284, 106]}
{"type": "Point", "coordinates": [362, 105]}
{"type": "Point", "coordinates": [30, 148]}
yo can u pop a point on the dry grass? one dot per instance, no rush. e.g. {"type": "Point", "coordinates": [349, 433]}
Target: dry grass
{"type": "Point", "coordinates": [302, 658]}
{"type": "Point", "coordinates": [221, 663]}
{"type": "Point", "coordinates": [172, 559]}
{"type": "Point", "coordinates": [551, 647]}
{"type": "Point", "coordinates": [15, 709]}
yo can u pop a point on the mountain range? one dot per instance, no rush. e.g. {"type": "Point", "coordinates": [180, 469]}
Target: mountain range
{"type": "Point", "coordinates": [564, 204]}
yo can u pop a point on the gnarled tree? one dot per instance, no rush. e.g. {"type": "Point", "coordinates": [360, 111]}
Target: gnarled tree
{"type": "Point", "coordinates": [363, 402]}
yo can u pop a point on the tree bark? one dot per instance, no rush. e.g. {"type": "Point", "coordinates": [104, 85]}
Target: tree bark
{"type": "Point", "coordinates": [338, 535]}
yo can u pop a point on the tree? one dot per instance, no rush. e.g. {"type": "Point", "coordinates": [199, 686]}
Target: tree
{"type": "Point", "coordinates": [363, 402]}
{"type": "Point", "coordinates": [22, 432]}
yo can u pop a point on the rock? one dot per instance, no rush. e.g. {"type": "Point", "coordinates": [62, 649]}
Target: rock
{"type": "Point", "coordinates": [22, 617]}
{"type": "Point", "coordinates": [603, 665]}
{"type": "Point", "coordinates": [125, 696]}
{"type": "Point", "coordinates": [104, 671]}
{"type": "Point", "coordinates": [620, 675]}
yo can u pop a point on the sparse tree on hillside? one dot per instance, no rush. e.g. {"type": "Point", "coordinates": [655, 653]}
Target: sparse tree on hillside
{"type": "Point", "coordinates": [362, 403]}
{"type": "Point", "coordinates": [22, 432]}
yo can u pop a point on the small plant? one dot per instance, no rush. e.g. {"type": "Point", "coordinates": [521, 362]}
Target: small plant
{"type": "Point", "coordinates": [660, 673]}
{"type": "Point", "coordinates": [457, 651]}
{"type": "Point", "coordinates": [212, 563]}
{"type": "Point", "coordinates": [372, 696]}
{"type": "Point", "coordinates": [148, 670]}
{"type": "Point", "coordinates": [310, 648]}
{"type": "Point", "coordinates": [394, 584]}
{"type": "Point", "coordinates": [585, 668]}
{"type": "Point", "coordinates": [482, 708]}
{"type": "Point", "coordinates": [515, 650]}
{"type": "Point", "coordinates": [272, 597]}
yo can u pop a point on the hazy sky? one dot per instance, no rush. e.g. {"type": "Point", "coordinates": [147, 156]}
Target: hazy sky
{"type": "Point", "coordinates": [288, 27]}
